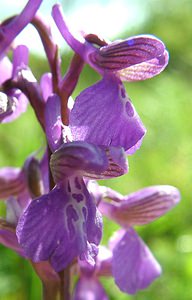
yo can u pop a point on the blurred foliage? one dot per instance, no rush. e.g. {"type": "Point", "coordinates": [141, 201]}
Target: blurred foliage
{"type": "Point", "coordinates": [164, 104]}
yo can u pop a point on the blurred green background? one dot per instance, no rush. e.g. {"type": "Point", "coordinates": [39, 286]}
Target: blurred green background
{"type": "Point", "coordinates": [165, 105]}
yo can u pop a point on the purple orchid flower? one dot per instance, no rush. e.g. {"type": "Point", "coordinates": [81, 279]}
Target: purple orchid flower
{"type": "Point", "coordinates": [103, 114]}
{"type": "Point", "coordinates": [72, 221]}
{"type": "Point", "coordinates": [17, 187]}
{"type": "Point", "coordinates": [65, 223]}
{"type": "Point", "coordinates": [133, 266]}
{"type": "Point", "coordinates": [141, 208]}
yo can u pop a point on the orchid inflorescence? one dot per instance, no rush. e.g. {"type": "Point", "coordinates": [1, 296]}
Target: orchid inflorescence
{"type": "Point", "coordinates": [54, 204]}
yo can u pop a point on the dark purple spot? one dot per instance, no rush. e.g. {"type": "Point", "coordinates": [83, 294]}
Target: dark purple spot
{"type": "Point", "coordinates": [69, 187]}
{"type": "Point", "coordinates": [77, 183]}
{"type": "Point", "coordinates": [129, 109]}
{"type": "Point", "coordinates": [71, 216]}
{"type": "Point", "coordinates": [78, 197]}
{"type": "Point", "coordinates": [71, 229]}
{"type": "Point", "coordinates": [84, 227]}
{"type": "Point", "coordinates": [123, 93]}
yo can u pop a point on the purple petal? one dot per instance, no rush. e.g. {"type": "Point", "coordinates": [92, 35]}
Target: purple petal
{"type": "Point", "coordinates": [11, 182]}
{"type": "Point", "coordinates": [133, 265]}
{"type": "Point", "coordinates": [61, 225]}
{"type": "Point", "coordinates": [46, 85]}
{"type": "Point", "coordinates": [74, 39]}
{"type": "Point", "coordinates": [20, 59]}
{"type": "Point", "coordinates": [89, 289]}
{"type": "Point", "coordinates": [123, 54]}
{"type": "Point", "coordinates": [15, 106]}
{"type": "Point", "coordinates": [11, 30]}
{"type": "Point", "coordinates": [143, 206]}
{"type": "Point", "coordinates": [104, 115]}
{"type": "Point", "coordinates": [53, 123]}
{"type": "Point", "coordinates": [108, 193]}
{"type": "Point", "coordinates": [5, 69]}
{"type": "Point", "coordinates": [8, 239]}
{"type": "Point", "coordinates": [145, 70]}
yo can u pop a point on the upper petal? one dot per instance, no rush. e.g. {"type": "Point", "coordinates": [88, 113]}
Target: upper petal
{"type": "Point", "coordinates": [104, 115]}
{"type": "Point", "coordinates": [77, 157]}
{"type": "Point", "coordinates": [133, 265]}
{"type": "Point", "coordinates": [122, 54]}
{"type": "Point", "coordinates": [136, 58]}
{"type": "Point", "coordinates": [88, 160]}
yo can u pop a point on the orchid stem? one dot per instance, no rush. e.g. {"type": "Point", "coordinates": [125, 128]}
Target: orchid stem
{"type": "Point", "coordinates": [51, 291]}
{"type": "Point", "coordinates": [65, 284]}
